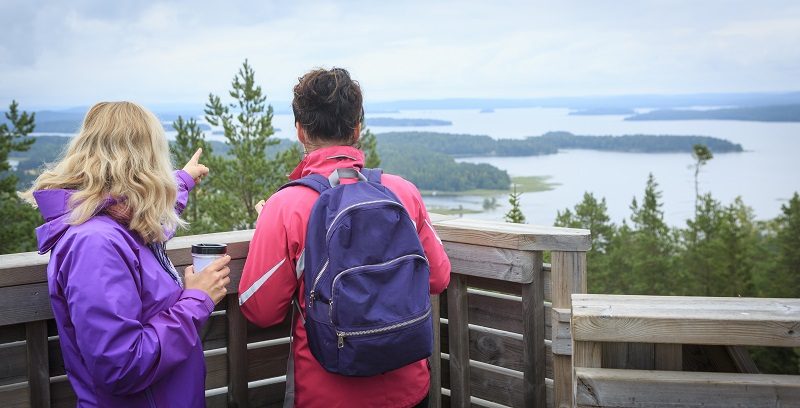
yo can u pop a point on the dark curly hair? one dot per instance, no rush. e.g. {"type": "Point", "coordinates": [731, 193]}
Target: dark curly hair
{"type": "Point", "coordinates": [328, 105]}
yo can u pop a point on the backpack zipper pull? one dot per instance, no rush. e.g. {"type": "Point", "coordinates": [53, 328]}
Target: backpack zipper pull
{"type": "Point", "coordinates": [311, 297]}
{"type": "Point", "coordinates": [341, 340]}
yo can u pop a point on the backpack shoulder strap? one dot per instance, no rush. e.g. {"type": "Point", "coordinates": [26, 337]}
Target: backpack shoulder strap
{"type": "Point", "coordinates": [372, 175]}
{"type": "Point", "coordinates": [315, 182]}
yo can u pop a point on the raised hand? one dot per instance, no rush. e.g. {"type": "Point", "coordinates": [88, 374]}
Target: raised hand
{"type": "Point", "coordinates": [194, 168]}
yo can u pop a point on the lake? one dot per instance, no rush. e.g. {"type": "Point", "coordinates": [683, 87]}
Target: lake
{"type": "Point", "coordinates": [765, 175]}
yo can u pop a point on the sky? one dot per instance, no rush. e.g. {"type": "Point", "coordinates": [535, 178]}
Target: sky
{"type": "Point", "coordinates": [56, 54]}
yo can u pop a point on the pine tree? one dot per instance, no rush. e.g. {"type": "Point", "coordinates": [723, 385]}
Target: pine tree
{"type": "Point", "coordinates": [784, 276]}
{"type": "Point", "coordinates": [515, 214]}
{"type": "Point", "coordinates": [18, 218]}
{"type": "Point", "coordinates": [701, 154]}
{"type": "Point", "coordinates": [248, 175]}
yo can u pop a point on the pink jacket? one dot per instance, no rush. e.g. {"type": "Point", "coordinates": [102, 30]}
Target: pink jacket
{"type": "Point", "coordinates": [269, 281]}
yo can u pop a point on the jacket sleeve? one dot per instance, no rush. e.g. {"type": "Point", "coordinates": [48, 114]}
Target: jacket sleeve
{"type": "Point", "coordinates": [434, 249]}
{"type": "Point", "coordinates": [185, 185]}
{"type": "Point", "coordinates": [124, 353]}
{"type": "Point", "coordinates": [269, 278]}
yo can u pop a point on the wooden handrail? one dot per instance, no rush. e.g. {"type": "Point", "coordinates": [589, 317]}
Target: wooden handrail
{"type": "Point", "coordinates": [502, 259]}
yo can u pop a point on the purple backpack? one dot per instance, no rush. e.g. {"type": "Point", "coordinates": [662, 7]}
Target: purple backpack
{"type": "Point", "coordinates": [367, 284]}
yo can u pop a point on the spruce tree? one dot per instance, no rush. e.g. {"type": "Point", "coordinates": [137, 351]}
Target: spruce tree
{"type": "Point", "coordinates": [515, 214]}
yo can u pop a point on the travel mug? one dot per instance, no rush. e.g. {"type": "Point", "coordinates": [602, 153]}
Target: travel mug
{"type": "Point", "coordinates": [204, 254]}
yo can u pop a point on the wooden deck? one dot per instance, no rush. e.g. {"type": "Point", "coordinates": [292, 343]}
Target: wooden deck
{"type": "Point", "coordinates": [506, 330]}
{"type": "Point", "coordinates": [494, 329]}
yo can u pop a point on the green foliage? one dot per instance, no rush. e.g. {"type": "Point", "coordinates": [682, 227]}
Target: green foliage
{"type": "Point", "coordinates": [701, 155]}
{"type": "Point", "coordinates": [592, 214]}
{"type": "Point", "coordinates": [19, 219]}
{"type": "Point", "coordinates": [439, 172]}
{"type": "Point", "coordinates": [369, 144]}
{"type": "Point", "coordinates": [248, 176]}
{"type": "Point", "coordinates": [515, 214]}
{"type": "Point", "coordinates": [784, 273]}
{"type": "Point", "coordinates": [203, 198]}
{"type": "Point", "coordinates": [13, 139]}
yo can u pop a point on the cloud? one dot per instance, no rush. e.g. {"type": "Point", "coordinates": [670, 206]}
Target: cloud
{"type": "Point", "coordinates": [75, 53]}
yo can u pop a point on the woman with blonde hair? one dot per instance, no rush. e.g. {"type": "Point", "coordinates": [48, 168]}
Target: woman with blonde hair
{"type": "Point", "coordinates": [127, 322]}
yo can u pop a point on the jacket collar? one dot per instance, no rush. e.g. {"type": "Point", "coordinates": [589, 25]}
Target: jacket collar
{"type": "Point", "coordinates": [327, 159]}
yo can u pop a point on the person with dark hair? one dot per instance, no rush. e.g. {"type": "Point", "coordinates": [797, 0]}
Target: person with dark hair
{"type": "Point", "coordinates": [328, 111]}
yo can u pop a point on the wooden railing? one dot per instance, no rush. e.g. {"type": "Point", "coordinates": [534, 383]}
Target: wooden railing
{"type": "Point", "coordinates": [503, 333]}
{"type": "Point", "coordinates": [670, 322]}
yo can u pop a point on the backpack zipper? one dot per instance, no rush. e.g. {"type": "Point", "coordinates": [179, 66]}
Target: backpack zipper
{"type": "Point", "coordinates": [341, 334]}
{"type": "Point", "coordinates": [380, 265]}
{"type": "Point", "coordinates": [313, 294]}
{"type": "Point", "coordinates": [354, 206]}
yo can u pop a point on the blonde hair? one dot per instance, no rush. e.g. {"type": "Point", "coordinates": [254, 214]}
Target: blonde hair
{"type": "Point", "coordinates": [121, 152]}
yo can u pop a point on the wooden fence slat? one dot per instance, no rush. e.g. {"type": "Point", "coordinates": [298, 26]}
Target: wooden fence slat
{"type": "Point", "coordinates": [38, 366]}
{"type": "Point", "coordinates": [534, 391]}
{"type": "Point", "coordinates": [490, 262]}
{"type": "Point", "coordinates": [605, 387]}
{"type": "Point", "coordinates": [24, 303]}
{"type": "Point", "coordinates": [457, 312]}
{"type": "Point", "coordinates": [435, 392]}
{"type": "Point", "coordinates": [687, 320]}
{"type": "Point", "coordinates": [237, 354]}
{"type": "Point", "coordinates": [569, 276]}
{"type": "Point", "coordinates": [513, 236]}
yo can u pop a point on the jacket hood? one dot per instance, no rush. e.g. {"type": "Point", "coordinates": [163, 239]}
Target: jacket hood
{"type": "Point", "coordinates": [324, 160]}
{"type": "Point", "coordinates": [54, 207]}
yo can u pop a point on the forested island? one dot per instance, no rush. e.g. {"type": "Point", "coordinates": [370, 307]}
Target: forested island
{"type": "Point", "coordinates": [461, 145]}
{"type": "Point", "coordinates": [399, 122]}
{"type": "Point", "coordinates": [427, 158]}
{"type": "Point", "coordinates": [779, 113]}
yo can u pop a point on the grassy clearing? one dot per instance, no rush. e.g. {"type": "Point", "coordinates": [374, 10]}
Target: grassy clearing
{"type": "Point", "coordinates": [525, 184]}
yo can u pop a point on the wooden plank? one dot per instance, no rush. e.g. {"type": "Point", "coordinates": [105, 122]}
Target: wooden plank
{"type": "Point", "coordinates": [62, 395]}
{"type": "Point", "coordinates": [237, 354]}
{"type": "Point", "coordinates": [641, 388]}
{"type": "Point", "coordinates": [533, 310]}
{"type": "Point", "coordinates": [561, 332]}
{"type": "Point", "coordinates": [741, 358]}
{"type": "Point", "coordinates": [179, 248]}
{"type": "Point", "coordinates": [457, 310]}
{"type": "Point", "coordinates": [513, 236]}
{"type": "Point", "coordinates": [13, 363]}
{"type": "Point", "coordinates": [24, 303]}
{"type": "Point", "coordinates": [501, 312]}
{"type": "Point", "coordinates": [15, 396]}
{"type": "Point", "coordinates": [498, 348]}
{"type": "Point", "coordinates": [489, 262]}
{"type": "Point", "coordinates": [669, 357]}
{"type": "Point", "coordinates": [569, 276]}
{"type": "Point", "coordinates": [494, 285]}
{"type": "Point", "coordinates": [23, 268]}
{"type": "Point", "coordinates": [687, 320]}
{"type": "Point", "coordinates": [38, 368]}
{"type": "Point", "coordinates": [12, 333]}
{"type": "Point", "coordinates": [435, 391]}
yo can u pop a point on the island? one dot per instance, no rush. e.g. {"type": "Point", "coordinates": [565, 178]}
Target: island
{"type": "Point", "coordinates": [775, 113]}
{"type": "Point", "coordinates": [405, 122]}
{"type": "Point", "coordinates": [602, 111]}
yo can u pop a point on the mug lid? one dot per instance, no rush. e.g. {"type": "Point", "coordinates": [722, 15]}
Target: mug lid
{"type": "Point", "coordinates": [209, 249]}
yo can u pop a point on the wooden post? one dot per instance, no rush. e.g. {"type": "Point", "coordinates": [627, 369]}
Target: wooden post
{"type": "Point", "coordinates": [533, 353]}
{"type": "Point", "coordinates": [237, 354]}
{"type": "Point", "coordinates": [435, 392]}
{"type": "Point", "coordinates": [458, 332]}
{"type": "Point", "coordinates": [38, 365]}
{"type": "Point", "coordinates": [568, 276]}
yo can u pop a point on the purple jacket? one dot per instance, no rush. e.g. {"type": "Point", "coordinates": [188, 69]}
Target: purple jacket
{"type": "Point", "coordinates": [129, 334]}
